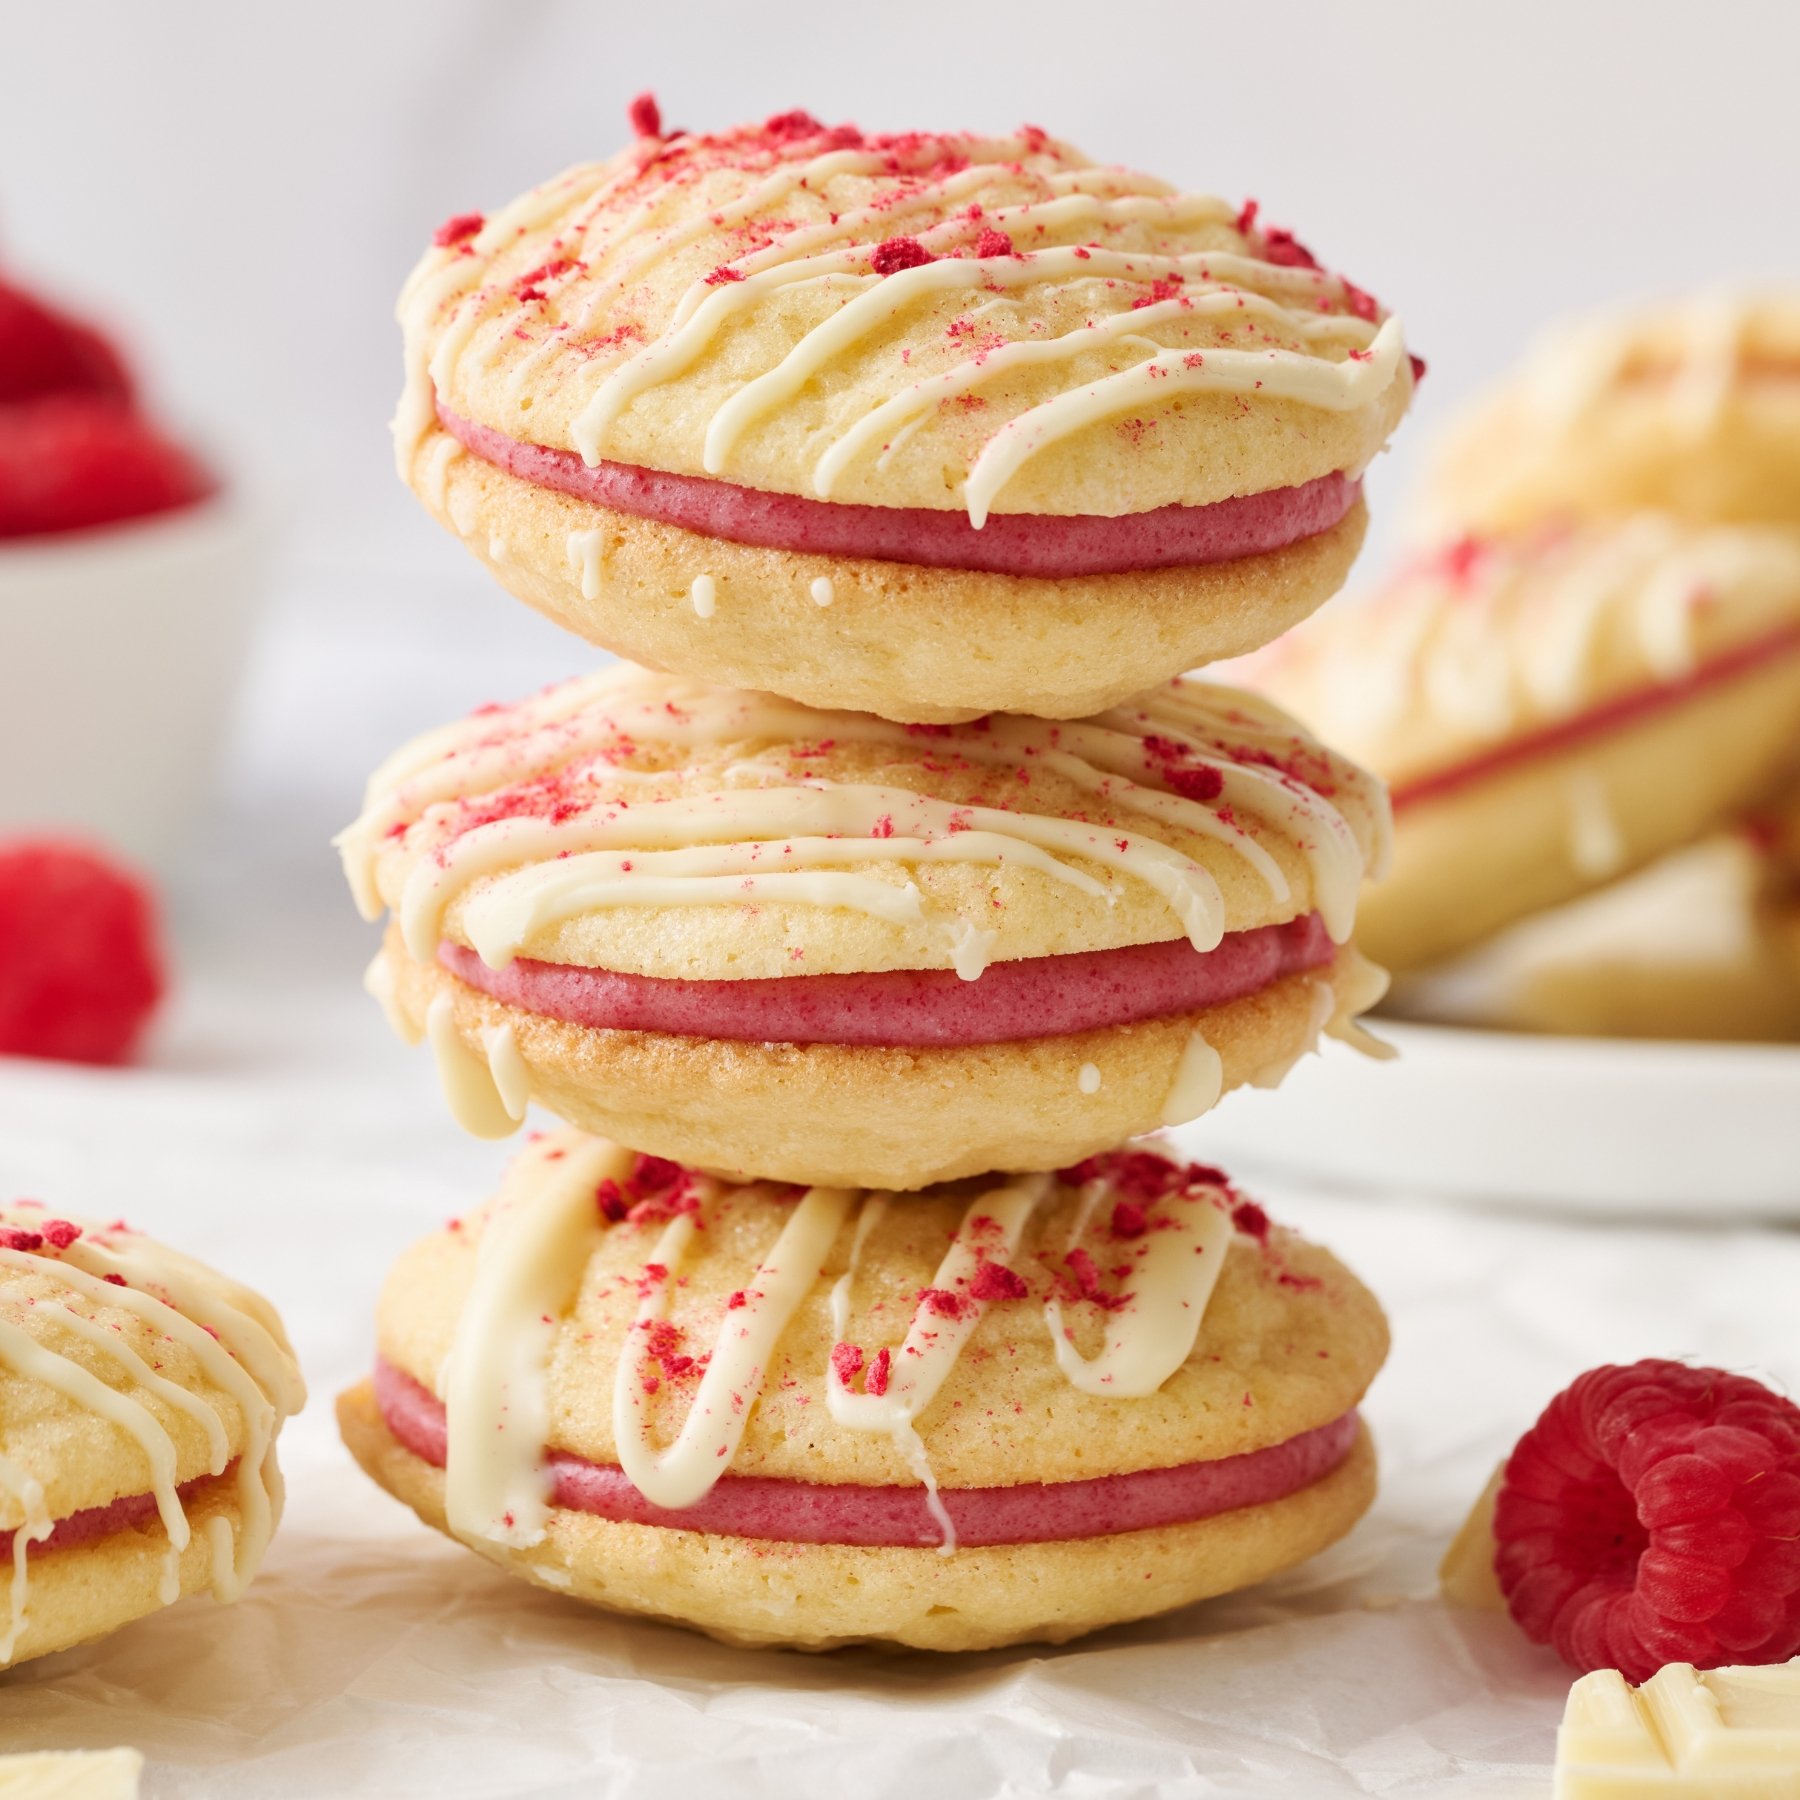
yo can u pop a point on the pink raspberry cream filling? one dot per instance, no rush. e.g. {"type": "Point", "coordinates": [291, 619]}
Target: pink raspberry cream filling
{"type": "Point", "coordinates": [1034, 997]}
{"type": "Point", "coordinates": [803, 1512]}
{"type": "Point", "coordinates": [94, 1522]}
{"type": "Point", "coordinates": [1053, 546]}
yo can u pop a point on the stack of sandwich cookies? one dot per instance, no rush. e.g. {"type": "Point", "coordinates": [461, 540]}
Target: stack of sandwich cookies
{"type": "Point", "coordinates": [928, 425]}
{"type": "Point", "coordinates": [863, 937]}
{"type": "Point", "coordinates": [140, 1397]}
{"type": "Point", "coordinates": [1017, 1408]}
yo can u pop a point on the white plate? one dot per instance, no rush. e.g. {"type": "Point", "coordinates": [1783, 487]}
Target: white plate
{"type": "Point", "coordinates": [1599, 1124]}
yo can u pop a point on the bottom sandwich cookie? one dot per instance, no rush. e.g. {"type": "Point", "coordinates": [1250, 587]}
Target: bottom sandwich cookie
{"type": "Point", "coordinates": [999, 1410]}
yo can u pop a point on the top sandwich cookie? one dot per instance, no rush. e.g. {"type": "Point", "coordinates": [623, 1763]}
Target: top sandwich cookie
{"type": "Point", "coordinates": [927, 425]}
{"type": "Point", "coordinates": [1690, 407]}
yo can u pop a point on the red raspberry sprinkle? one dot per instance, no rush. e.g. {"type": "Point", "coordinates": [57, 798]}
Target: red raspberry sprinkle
{"type": "Point", "coordinates": [1285, 250]}
{"type": "Point", "coordinates": [1251, 1220]}
{"type": "Point", "coordinates": [1129, 1220]}
{"type": "Point", "coordinates": [116, 1280]}
{"type": "Point", "coordinates": [846, 1361]}
{"type": "Point", "coordinates": [1087, 1282]}
{"type": "Point", "coordinates": [876, 1381]}
{"type": "Point", "coordinates": [890, 257]}
{"type": "Point", "coordinates": [72, 461]}
{"type": "Point", "coordinates": [795, 124]}
{"type": "Point", "coordinates": [12, 1237]}
{"type": "Point", "coordinates": [1419, 366]}
{"type": "Point", "coordinates": [59, 1234]}
{"type": "Point", "coordinates": [645, 115]}
{"type": "Point", "coordinates": [722, 274]}
{"type": "Point", "coordinates": [995, 1281]}
{"type": "Point", "coordinates": [44, 351]}
{"type": "Point", "coordinates": [942, 1304]}
{"type": "Point", "coordinates": [1246, 219]}
{"type": "Point", "coordinates": [993, 243]}
{"type": "Point", "coordinates": [1652, 1515]}
{"type": "Point", "coordinates": [80, 966]}
{"type": "Point", "coordinates": [457, 230]}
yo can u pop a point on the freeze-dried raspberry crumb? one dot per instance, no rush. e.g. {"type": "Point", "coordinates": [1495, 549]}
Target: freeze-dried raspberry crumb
{"type": "Point", "coordinates": [59, 1234]}
{"type": "Point", "coordinates": [995, 1281]}
{"type": "Point", "coordinates": [80, 967]}
{"type": "Point", "coordinates": [116, 1280]}
{"type": "Point", "coordinates": [942, 1303]}
{"type": "Point", "coordinates": [457, 230]}
{"type": "Point", "coordinates": [899, 253]}
{"type": "Point", "coordinates": [1251, 1220]}
{"type": "Point", "coordinates": [1087, 1282]}
{"type": "Point", "coordinates": [1652, 1515]}
{"type": "Point", "coordinates": [993, 243]}
{"type": "Point", "coordinates": [846, 1361]}
{"type": "Point", "coordinates": [645, 115]}
{"type": "Point", "coordinates": [876, 1381]}
{"type": "Point", "coordinates": [1129, 1220]}
{"type": "Point", "coordinates": [13, 1237]}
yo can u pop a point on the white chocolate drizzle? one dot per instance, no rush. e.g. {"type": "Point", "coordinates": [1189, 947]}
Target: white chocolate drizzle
{"type": "Point", "coordinates": [1147, 1341]}
{"type": "Point", "coordinates": [709, 1437]}
{"type": "Point", "coordinates": [534, 1247]}
{"type": "Point", "coordinates": [472, 1084]}
{"type": "Point", "coordinates": [233, 1335]}
{"type": "Point", "coordinates": [776, 832]}
{"type": "Point", "coordinates": [545, 1224]}
{"type": "Point", "coordinates": [804, 299]}
{"type": "Point", "coordinates": [1199, 1081]}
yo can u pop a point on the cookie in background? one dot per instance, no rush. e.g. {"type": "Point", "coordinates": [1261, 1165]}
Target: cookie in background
{"type": "Point", "coordinates": [1688, 406]}
{"type": "Point", "coordinates": [1686, 948]}
{"type": "Point", "coordinates": [1553, 709]}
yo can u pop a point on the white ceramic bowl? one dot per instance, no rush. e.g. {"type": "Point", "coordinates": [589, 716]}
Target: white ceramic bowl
{"type": "Point", "coordinates": [120, 650]}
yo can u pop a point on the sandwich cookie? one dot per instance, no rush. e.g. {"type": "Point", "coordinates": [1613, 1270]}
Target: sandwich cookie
{"type": "Point", "coordinates": [1012, 1409]}
{"type": "Point", "coordinates": [1690, 407]}
{"type": "Point", "coordinates": [922, 425]}
{"type": "Point", "coordinates": [1553, 710]}
{"type": "Point", "coordinates": [823, 947]}
{"type": "Point", "coordinates": [140, 1397]}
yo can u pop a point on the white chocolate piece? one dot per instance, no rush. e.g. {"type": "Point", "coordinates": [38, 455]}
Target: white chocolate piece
{"type": "Point", "coordinates": [1686, 1734]}
{"type": "Point", "coordinates": [1466, 1576]}
{"type": "Point", "coordinates": [72, 1775]}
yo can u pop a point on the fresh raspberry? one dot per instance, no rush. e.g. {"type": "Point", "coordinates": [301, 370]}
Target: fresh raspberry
{"type": "Point", "coordinates": [80, 971]}
{"type": "Point", "coordinates": [1652, 1515]}
{"type": "Point", "coordinates": [43, 351]}
{"type": "Point", "coordinates": [73, 461]}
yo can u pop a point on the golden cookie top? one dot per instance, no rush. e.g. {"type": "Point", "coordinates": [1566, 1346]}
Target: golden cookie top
{"type": "Point", "coordinates": [637, 822]}
{"type": "Point", "coordinates": [1690, 405]}
{"type": "Point", "coordinates": [1134, 1312]}
{"type": "Point", "coordinates": [1490, 639]}
{"type": "Point", "coordinates": [936, 320]}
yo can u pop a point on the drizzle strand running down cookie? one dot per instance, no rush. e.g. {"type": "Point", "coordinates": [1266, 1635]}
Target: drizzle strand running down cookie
{"type": "Point", "coordinates": [924, 425]}
{"type": "Point", "coordinates": [814, 946]}
{"type": "Point", "coordinates": [1012, 1409]}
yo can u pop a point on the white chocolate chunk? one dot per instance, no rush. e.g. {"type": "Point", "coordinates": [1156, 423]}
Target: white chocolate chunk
{"type": "Point", "coordinates": [1466, 1575]}
{"type": "Point", "coordinates": [71, 1775]}
{"type": "Point", "coordinates": [1686, 1734]}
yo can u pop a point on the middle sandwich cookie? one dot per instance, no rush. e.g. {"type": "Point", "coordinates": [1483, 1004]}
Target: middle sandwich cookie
{"type": "Point", "coordinates": [822, 947]}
